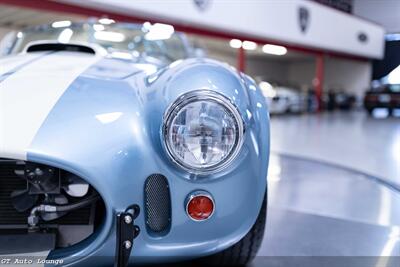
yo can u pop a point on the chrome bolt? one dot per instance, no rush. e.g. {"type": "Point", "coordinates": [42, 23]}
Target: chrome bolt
{"type": "Point", "coordinates": [127, 219]}
{"type": "Point", "coordinates": [127, 244]}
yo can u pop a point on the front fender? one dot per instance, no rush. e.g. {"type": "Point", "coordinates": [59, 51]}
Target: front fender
{"type": "Point", "coordinates": [108, 132]}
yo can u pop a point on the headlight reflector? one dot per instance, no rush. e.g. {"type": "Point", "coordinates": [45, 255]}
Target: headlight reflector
{"type": "Point", "coordinates": [203, 131]}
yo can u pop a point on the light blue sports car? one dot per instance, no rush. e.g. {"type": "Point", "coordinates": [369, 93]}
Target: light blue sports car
{"type": "Point", "coordinates": [117, 146]}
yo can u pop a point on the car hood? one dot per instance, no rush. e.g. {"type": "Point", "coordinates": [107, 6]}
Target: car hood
{"type": "Point", "coordinates": [32, 83]}
{"type": "Point", "coordinates": [53, 102]}
{"type": "Point", "coordinates": [108, 68]}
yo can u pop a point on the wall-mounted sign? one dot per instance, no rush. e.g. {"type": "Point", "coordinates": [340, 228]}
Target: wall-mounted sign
{"type": "Point", "coordinates": [202, 5]}
{"type": "Point", "coordinates": [304, 18]}
{"type": "Point", "coordinates": [362, 37]}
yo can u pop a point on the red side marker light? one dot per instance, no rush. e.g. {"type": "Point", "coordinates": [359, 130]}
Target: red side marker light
{"type": "Point", "coordinates": [200, 206]}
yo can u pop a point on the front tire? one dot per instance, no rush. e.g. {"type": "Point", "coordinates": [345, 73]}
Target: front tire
{"type": "Point", "coordinates": [245, 250]}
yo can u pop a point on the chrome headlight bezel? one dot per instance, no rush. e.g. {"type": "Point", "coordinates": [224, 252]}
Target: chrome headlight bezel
{"type": "Point", "coordinates": [203, 95]}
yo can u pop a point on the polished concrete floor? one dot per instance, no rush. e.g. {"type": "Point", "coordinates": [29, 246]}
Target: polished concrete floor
{"type": "Point", "coordinates": [351, 139]}
{"type": "Point", "coordinates": [324, 215]}
{"type": "Point", "coordinates": [334, 191]}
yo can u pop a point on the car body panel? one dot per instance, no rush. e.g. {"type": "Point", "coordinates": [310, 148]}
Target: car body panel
{"type": "Point", "coordinates": [382, 99]}
{"type": "Point", "coordinates": [41, 90]}
{"type": "Point", "coordinates": [103, 123]}
{"type": "Point", "coordinates": [385, 93]}
{"type": "Point", "coordinates": [286, 100]}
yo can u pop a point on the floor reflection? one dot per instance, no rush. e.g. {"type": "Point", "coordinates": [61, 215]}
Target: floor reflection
{"type": "Point", "coordinates": [351, 139]}
{"type": "Point", "coordinates": [317, 209]}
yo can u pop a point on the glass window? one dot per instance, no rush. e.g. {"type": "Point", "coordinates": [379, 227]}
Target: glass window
{"type": "Point", "coordinates": [158, 40]}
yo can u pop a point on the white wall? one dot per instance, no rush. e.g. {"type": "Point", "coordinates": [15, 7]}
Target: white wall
{"type": "Point", "coordinates": [301, 73]}
{"type": "Point", "coordinates": [349, 75]}
{"type": "Point", "coordinates": [269, 20]}
{"type": "Point", "coordinates": [267, 69]}
{"type": "Point", "coordinates": [256, 67]}
{"type": "Point", "coordinates": [384, 12]}
{"type": "Point", "coordinates": [297, 73]}
{"type": "Point", "coordinates": [352, 76]}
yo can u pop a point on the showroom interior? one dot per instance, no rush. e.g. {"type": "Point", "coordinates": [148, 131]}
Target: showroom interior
{"type": "Point", "coordinates": [334, 166]}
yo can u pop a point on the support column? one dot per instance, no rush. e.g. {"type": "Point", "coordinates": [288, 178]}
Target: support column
{"type": "Point", "coordinates": [241, 62]}
{"type": "Point", "coordinates": [319, 79]}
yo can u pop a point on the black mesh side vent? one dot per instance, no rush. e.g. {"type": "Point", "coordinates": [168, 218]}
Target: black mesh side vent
{"type": "Point", "coordinates": [157, 202]}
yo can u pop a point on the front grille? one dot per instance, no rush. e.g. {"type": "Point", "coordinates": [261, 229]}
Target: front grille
{"type": "Point", "coordinates": [157, 204]}
{"type": "Point", "coordinates": [10, 182]}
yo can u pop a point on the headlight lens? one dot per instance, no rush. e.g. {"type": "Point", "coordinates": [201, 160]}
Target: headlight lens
{"type": "Point", "coordinates": [203, 131]}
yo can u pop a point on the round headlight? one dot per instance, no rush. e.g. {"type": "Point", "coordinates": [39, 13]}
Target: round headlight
{"type": "Point", "coordinates": [203, 131]}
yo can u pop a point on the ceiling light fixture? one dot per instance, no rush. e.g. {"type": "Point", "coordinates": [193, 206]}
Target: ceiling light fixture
{"type": "Point", "coordinates": [159, 31]}
{"type": "Point", "coordinates": [235, 43]}
{"type": "Point", "coordinates": [61, 24]}
{"type": "Point", "coordinates": [98, 27]}
{"type": "Point", "coordinates": [274, 49]}
{"type": "Point", "coordinates": [249, 45]}
{"type": "Point", "coordinates": [106, 21]}
{"type": "Point", "coordinates": [109, 36]}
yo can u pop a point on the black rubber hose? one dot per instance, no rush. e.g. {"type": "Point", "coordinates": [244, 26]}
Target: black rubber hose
{"type": "Point", "coordinates": [78, 205]}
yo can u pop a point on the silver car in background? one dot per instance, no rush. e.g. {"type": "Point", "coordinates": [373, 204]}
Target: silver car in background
{"type": "Point", "coordinates": [282, 99]}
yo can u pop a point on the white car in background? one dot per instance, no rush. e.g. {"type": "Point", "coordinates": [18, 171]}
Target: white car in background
{"type": "Point", "coordinates": [282, 99]}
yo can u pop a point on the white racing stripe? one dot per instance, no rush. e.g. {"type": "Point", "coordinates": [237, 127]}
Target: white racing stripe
{"type": "Point", "coordinates": [10, 63]}
{"type": "Point", "coordinates": [28, 96]}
